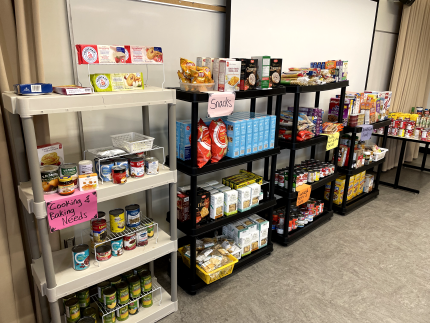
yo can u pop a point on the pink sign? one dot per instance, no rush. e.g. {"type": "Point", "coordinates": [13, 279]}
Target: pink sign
{"type": "Point", "coordinates": [65, 211]}
{"type": "Point", "coordinates": [221, 104]}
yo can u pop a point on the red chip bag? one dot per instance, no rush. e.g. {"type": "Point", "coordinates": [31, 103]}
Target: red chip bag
{"type": "Point", "coordinates": [218, 133]}
{"type": "Point", "coordinates": [203, 144]}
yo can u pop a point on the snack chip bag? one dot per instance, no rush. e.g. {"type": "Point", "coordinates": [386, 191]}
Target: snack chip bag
{"type": "Point", "coordinates": [198, 76]}
{"type": "Point", "coordinates": [187, 66]}
{"type": "Point", "coordinates": [206, 70]}
{"type": "Point", "coordinates": [203, 144]}
{"type": "Point", "coordinates": [218, 133]}
{"type": "Point", "coordinates": [183, 78]}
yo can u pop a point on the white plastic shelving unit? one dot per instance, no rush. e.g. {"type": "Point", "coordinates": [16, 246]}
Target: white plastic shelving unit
{"type": "Point", "coordinates": [53, 272]}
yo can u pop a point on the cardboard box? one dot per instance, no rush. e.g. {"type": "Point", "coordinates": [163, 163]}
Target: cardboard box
{"type": "Point", "coordinates": [88, 182]}
{"type": "Point", "coordinates": [112, 82]}
{"type": "Point", "coordinates": [248, 74]}
{"type": "Point", "coordinates": [263, 71]}
{"type": "Point", "coordinates": [275, 72]}
{"type": "Point", "coordinates": [215, 70]}
{"type": "Point", "coordinates": [230, 202]}
{"type": "Point", "coordinates": [255, 194]}
{"type": "Point", "coordinates": [263, 229]}
{"type": "Point", "coordinates": [183, 206]}
{"type": "Point", "coordinates": [244, 199]}
{"type": "Point", "coordinates": [242, 237]}
{"type": "Point", "coordinates": [51, 154]}
{"type": "Point", "coordinates": [229, 76]}
{"type": "Point", "coordinates": [217, 205]}
{"type": "Point", "coordinates": [253, 230]}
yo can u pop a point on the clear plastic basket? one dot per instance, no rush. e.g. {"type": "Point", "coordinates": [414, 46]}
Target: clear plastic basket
{"type": "Point", "coordinates": [200, 87]}
{"type": "Point", "coordinates": [132, 142]}
{"type": "Point", "coordinates": [379, 156]}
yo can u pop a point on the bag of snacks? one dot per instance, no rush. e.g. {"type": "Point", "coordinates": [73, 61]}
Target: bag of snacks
{"type": "Point", "coordinates": [203, 144]}
{"type": "Point", "coordinates": [187, 66]}
{"type": "Point", "coordinates": [218, 133]}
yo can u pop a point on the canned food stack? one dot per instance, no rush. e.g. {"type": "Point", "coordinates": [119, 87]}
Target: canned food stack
{"type": "Point", "coordinates": [114, 299]}
{"type": "Point", "coordinates": [308, 172]}
{"type": "Point", "coordinates": [411, 126]}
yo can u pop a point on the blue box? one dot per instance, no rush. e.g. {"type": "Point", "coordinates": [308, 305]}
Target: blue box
{"type": "Point", "coordinates": [249, 143]}
{"type": "Point", "coordinates": [260, 140]}
{"type": "Point", "coordinates": [266, 123]}
{"type": "Point", "coordinates": [233, 137]}
{"type": "Point", "coordinates": [255, 125]}
{"type": "Point", "coordinates": [242, 145]}
{"type": "Point", "coordinates": [272, 123]}
{"type": "Point", "coordinates": [266, 140]}
{"type": "Point", "coordinates": [260, 124]}
{"type": "Point", "coordinates": [32, 89]}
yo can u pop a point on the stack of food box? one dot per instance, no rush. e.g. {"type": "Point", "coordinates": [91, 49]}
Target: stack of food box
{"type": "Point", "coordinates": [237, 193]}
{"type": "Point", "coordinates": [355, 187]}
{"type": "Point", "coordinates": [250, 234]}
{"type": "Point", "coordinates": [315, 115]}
{"type": "Point", "coordinates": [247, 133]}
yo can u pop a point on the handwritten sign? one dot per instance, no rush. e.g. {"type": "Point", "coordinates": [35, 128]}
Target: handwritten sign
{"type": "Point", "coordinates": [332, 140]}
{"type": "Point", "coordinates": [65, 211]}
{"type": "Point", "coordinates": [303, 194]}
{"type": "Point", "coordinates": [221, 104]}
{"type": "Point", "coordinates": [366, 132]}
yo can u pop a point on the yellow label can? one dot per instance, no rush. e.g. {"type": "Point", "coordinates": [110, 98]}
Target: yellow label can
{"type": "Point", "coordinates": [117, 220]}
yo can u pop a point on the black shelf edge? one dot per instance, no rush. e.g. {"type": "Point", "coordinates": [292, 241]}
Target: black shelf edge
{"type": "Point", "coordinates": [284, 192]}
{"type": "Point", "coordinates": [356, 202]}
{"type": "Point", "coordinates": [355, 171]}
{"type": "Point", "coordinates": [375, 125]}
{"type": "Point", "coordinates": [184, 271]}
{"type": "Point", "coordinates": [215, 224]}
{"type": "Point", "coordinates": [300, 232]}
{"type": "Point", "coordinates": [402, 138]}
{"type": "Point", "coordinates": [315, 88]}
{"type": "Point", "coordinates": [288, 144]}
{"type": "Point", "coordinates": [186, 168]}
{"type": "Point", "coordinates": [189, 96]}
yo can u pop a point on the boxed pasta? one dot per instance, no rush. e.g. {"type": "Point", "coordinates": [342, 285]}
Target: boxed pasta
{"type": "Point", "coordinates": [255, 194]}
{"type": "Point", "coordinates": [217, 205]}
{"type": "Point", "coordinates": [244, 199]}
{"type": "Point", "coordinates": [263, 229]}
{"type": "Point", "coordinates": [230, 202]}
{"type": "Point", "coordinates": [242, 237]}
{"type": "Point", "coordinates": [229, 76]}
{"type": "Point", "coordinates": [253, 230]}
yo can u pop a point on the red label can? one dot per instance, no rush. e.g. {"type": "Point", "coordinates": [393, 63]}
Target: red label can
{"type": "Point", "coordinates": [130, 242]}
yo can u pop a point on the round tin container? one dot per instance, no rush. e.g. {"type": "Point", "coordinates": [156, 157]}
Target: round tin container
{"type": "Point", "coordinates": [105, 170]}
{"type": "Point", "coordinates": [151, 166]}
{"type": "Point", "coordinates": [123, 293]}
{"type": "Point", "coordinates": [134, 286]}
{"type": "Point", "coordinates": [130, 242]}
{"type": "Point", "coordinates": [139, 270]}
{"type": "Point", "coordinates": [70, 170]}
{"type": "Point", "coordinates": [115, 280]}
{"type": "Point", "coordinates": [117, 220]}
{"type": "Point", "coordinates": [142, 238]}
{"type": "Point", "coordinates": [150, 228]}
{"type": "Point", "coordinates": [146, 280]}
{"type": "Point", "coordinates": [90, 312]}
{"type": "Point", "coordinates": [87, 319]}
{"type": "Point", "coordinates": [137, 167]}
{"type": "Point", "coordinates": [66, 298]}
{"type": "Point", "coordinates": [50, 178]}
{"type": "Point", "coordinates": [103, 253]}
{"type": "Point", "coordinates": [100, 288]}
{"type": "Point", "coordinates": [85, 167]}
{"type": "Point", "coordinates": [133, 308]}
{"type": "Point", "coordinates": [109, 318]}
{"type": "Point", "coordinates": [100, 215]}
{"type": "Point", "coordinates": [127, 275]}
{"type": "Point", "coordinates": [72, 309]}
{"type": "Point", "coordinates": [84, 297]}
{"type": "Point", "coordinates": [122, 313]}
{"type": "Point", "coordinates": [147, 300]}
{"type": "Point", "coordinates": [109, 297]}
{"type": "Point", "coordinates": [121, 161]}
{"type": "Point", "coordinates": [99, 230]}
{"type": "Point", "coordinates": [66, 186]}
{"type": "Point", "coordinates": [132, 215]}
{"type": "Point", "coordinates": [117, 247]}
{"type": "Point", "coordinates": [81, 257]}
{"type": "Point", "coordinates": [119, 175]}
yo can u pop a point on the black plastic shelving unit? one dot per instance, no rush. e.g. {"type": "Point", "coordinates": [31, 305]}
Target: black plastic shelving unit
{"type": "Point", "coordinates": [187, 277]}
{"type": "Point", "coordinates": [348, 206]}
{"type": "Point", "coordinates": [288, 196]}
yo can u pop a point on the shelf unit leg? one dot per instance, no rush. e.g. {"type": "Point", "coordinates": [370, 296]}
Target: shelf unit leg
{"type": "Point", "coordinates": [400, 164]}
{"type": "Point", "coordinates": [313, 149]}
{"type": "Point", "coordinates": [40, 211]}
{"type": "Point", "coordinates": [423, 164]}
{"type": "Point", "coordinates": [348, 177]}
{"type": "Point", "coordinates": [81, 133]}
{"type": "Point", "coordinates": [384, 143]}
{"type": "Point", "coordinates": [251, 109]}
{"type": "Point", "coordinates": [266, 160]}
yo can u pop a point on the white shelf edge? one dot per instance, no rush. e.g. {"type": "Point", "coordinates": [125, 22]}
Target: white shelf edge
{"type": "Point", "coordinates": [108, 191]}
{"type": "Point", "coordinates": [70, 281]}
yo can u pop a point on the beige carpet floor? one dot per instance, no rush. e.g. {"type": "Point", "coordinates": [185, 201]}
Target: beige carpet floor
{"type": "Point", "coordinates": [371, 266]}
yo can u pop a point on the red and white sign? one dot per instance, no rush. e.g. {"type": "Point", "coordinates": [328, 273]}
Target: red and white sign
{"type": "Point", "coordinates": [66, 211]}
{"type": "Point", "coordinates": [221, 104]}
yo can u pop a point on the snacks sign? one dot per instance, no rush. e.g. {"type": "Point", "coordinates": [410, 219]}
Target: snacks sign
{"type": "Point", "coordinates": [66, 211]}
{"type": "Point", "coordinates": [221, 104]}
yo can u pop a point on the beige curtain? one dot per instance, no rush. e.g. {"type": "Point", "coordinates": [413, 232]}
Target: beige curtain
{"type": "Point", "coordinates": [20, 62]}
{"type": "Point", "coordinates": [410, 82]}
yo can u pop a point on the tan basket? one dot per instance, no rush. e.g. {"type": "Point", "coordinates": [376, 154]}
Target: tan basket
{"type": "Point", "coordinates": [132, 142]}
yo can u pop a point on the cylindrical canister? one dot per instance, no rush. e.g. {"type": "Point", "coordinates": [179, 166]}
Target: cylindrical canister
{"type": "Point", "coordinates": [81, 257]}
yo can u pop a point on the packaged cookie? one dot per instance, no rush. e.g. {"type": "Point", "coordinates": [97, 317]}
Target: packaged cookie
{"type": "Point", "coordinates": [230, 202]}
{"type": "Point", "coordinates": [203, 204]}
{"type": "Point", "coordinates": [244, 199]}
{"type": "Point", "coordinates": [217, 205]}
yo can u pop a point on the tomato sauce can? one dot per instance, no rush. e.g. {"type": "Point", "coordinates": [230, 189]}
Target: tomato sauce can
{"type": "Point", "coordinates": [119, 175]}
{"type": "Point", "coordinates": [132, 215]}
{"type": "Point", "coordinates": [103, 253]}
{"type": "Point", "coordinates": [130, 242]}
{"type": "Point", "coordinates": [117, 247]}
{"type": "Point", "coordinates": [81, 257]}
{"type": "Point", "coordinates": [137, 167]}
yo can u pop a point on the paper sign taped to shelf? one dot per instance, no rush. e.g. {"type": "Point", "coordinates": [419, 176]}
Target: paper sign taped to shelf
{"type": "Point", "coordinates": [332, 140]}
{"type": "Point", "coordinates": [65, 211]}
{"type": "Point", "coordinates": [303, 194]}
{"type": "Point", "coordinates": [221, 104]}
{"type": "Point", "coordinates": [366, 132]}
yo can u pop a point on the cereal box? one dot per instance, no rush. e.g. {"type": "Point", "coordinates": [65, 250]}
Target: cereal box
{"type": "Point", "coordinates": [51, 154]}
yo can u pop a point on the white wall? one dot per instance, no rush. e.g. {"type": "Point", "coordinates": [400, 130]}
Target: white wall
{"type": "Point", "coordinates": [184, 32]}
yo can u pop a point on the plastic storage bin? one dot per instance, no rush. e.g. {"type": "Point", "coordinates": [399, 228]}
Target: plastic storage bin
{"type": "Point", "coordinates": [132, 142]}
{"type": "Point", "coordinates": [379, 156]}
{"type": "Point", "coordinates": [203, 87]}
{"type": "Point", "coordinates": [213, 275]}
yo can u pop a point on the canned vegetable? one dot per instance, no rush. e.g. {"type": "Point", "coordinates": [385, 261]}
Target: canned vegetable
{"type": "Point", "coordinates": [123, 293]}
{"type": "Point", "coordinates": [73, 312]}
